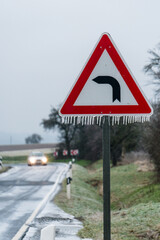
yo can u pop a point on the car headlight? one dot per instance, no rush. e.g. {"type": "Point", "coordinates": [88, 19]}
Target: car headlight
{"type": "Point", "coordinates": [44, 160]}
{"type": "Point", "coordinates": [32, 160]}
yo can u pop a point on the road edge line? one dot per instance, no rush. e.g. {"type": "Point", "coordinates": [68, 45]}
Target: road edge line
{"type": "Point", "coordinates": [25, 226]}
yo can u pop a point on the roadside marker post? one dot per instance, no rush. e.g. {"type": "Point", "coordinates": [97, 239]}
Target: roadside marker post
{"type": "Point", "coordinates": [68, 185]}
{"type": "Point", "coordinates": [1, 164]}
{"type": "Point", "coordinates": [70, 169]}
{"type": "Point", "coordinates": [105, 92]}
{"type": "Point", "coordinates": [48, 233]}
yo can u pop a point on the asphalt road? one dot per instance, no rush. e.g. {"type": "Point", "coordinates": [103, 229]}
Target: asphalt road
{"type": "Point", "coordinates": [21, 189]}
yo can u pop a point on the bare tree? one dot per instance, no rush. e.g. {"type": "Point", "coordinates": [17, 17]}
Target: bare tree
{"type": "Point", "coordinates": [67, 131]}
{"type": "Point", "coordinates": [152, 139]}
{"type": "Point", "coordinates": [153, 68]}
{"type": "Point", "coordinates": [34, 138]}
{"type": "Point", "coordinates": [152, 135]}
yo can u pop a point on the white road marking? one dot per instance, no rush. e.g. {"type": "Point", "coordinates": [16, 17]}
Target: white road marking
{"type": "Point", "coordinates": [24, 228]}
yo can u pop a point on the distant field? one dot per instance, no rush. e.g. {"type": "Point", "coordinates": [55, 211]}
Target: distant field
{"type": "Point", "coordinates": [25, 149]}
{"type": "Point", "coordinates": [14, 160]}
{"type": "Point", "coordinates": [134, 202]}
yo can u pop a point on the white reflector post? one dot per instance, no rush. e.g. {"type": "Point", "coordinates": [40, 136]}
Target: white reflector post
{"type": "Point", "coordinates": [68, 186]}
{"type": "Point", "coordinates": [48, 233]}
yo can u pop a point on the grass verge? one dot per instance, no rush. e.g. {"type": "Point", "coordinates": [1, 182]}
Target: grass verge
{"type": "Point", "coordinates": [4, 169]}
{"type": "Point", "coordinates": [14, 160]}
{"type": "Point", "coordinates": [80, 162]}
{"type": "Point", "coordinates": [134, 202]}
{"type": "Point", "coordinates": [84, 202]}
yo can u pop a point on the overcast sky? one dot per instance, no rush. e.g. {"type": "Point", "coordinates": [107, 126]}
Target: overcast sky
{"type": "Point", "coordinates": [45, 44]}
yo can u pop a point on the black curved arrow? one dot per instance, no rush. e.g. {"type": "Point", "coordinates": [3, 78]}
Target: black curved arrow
{"type": "Point", "coordinates": [111, 81]}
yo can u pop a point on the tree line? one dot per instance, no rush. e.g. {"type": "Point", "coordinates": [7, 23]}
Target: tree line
{"type": "Point", "coordinates": [88, 138]}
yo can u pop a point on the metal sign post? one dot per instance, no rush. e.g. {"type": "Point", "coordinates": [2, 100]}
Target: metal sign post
{"type": "Point", "coordinates": [106, 180]}
{"type": "Point", "coordinates": [91, 101]}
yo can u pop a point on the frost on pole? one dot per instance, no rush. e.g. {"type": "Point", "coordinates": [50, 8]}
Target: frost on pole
{"type": "Point", "coordinates": [105, 87]}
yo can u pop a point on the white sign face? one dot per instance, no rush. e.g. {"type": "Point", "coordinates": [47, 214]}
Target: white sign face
{"type": "Point", "coordinates": [65, 152]}
{"type": "Point", "coordinates": [102, 94]}
{"type": "Point", "coordinates": [55, 154]}
{"type": "Point", "coordinates": [74, 152]}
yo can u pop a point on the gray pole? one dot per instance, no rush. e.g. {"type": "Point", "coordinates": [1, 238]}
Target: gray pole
{"type": "Point", "coordinates": [106, 180]}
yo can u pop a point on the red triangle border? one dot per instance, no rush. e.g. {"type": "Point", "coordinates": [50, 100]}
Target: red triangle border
{"type": "Point", "coordinates": [143, 107]}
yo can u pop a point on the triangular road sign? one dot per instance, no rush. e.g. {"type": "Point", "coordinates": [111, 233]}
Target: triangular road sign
{"type": "Point", "coordinates": [106, 86]}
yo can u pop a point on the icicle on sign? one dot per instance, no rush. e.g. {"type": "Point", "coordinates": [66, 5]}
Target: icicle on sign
{"type": "Point", "coordinates": [105, 87]}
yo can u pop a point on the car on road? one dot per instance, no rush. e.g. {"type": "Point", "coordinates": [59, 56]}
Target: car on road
{"type": "Point", "coordinates": [37, 158]}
